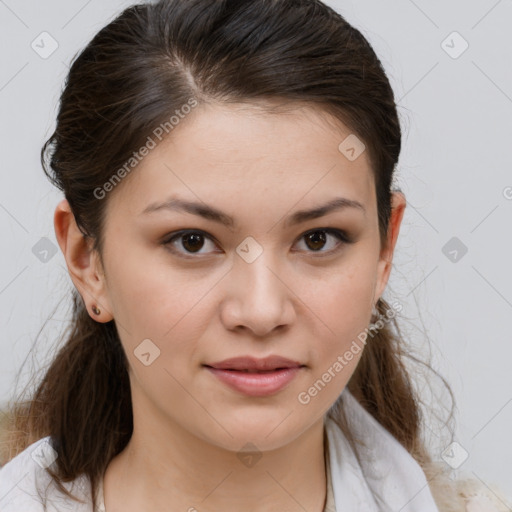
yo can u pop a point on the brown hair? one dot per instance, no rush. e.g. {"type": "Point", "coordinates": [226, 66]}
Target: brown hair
{"type": "Point", "coordinates": [134, 74]}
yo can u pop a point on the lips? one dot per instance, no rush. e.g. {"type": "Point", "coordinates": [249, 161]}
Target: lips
{"type": "Point", "coordinates": [250, 364]}
{"type": "Point", "coordinates": [256, 377]}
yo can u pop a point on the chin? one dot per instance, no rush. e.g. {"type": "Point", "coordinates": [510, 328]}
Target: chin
{"type": "Point", "coordinates": [265, 432]}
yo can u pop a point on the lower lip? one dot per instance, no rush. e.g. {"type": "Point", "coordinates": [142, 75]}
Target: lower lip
{"type": "Point", "coordinates": [256, 384]}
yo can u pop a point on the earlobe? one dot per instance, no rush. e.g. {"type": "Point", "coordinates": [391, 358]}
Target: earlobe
{"type": "Point", "coordinates": [83, 263]}
{"type": "Point", "coordinates": [398, 204]}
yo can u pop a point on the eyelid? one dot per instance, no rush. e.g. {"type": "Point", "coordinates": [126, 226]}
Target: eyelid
{"type": "Point", "coordinates": [343, 238]}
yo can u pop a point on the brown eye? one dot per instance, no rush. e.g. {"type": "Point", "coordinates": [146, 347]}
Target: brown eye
{"type": "Point", "coordinates": [193, 242]}
{"type": "Point", "coordinates": [188, 242]}
{"type": "Point", "coordinates": [317, 239]}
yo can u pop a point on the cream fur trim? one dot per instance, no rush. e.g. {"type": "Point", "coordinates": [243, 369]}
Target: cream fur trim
{"type": "Point", "coordinates": [464, 494]}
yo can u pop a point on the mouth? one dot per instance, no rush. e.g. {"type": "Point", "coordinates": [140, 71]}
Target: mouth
{"type": "Point", "coordinates": [255, 383]}
{"type": "Point", "coordinates": [250, 363]}
{"type": "Point", "coordinates": [247, 370]}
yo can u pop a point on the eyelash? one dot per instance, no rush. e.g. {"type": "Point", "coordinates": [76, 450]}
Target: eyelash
{"type": "Point", "coordinates": [342, 237]}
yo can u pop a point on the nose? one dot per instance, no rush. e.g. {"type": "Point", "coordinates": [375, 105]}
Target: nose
{"type": "Point", "coordinates": [258, 297]}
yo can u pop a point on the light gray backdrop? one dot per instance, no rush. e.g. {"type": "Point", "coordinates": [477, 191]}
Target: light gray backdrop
{"type": "Point", "coordinates": [450, 66]}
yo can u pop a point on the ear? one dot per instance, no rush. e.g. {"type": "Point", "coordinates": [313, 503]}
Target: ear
{"type": "Point", "coordinates": [398, 204]}
{"type": "Point", "coordinates": [83, 263]}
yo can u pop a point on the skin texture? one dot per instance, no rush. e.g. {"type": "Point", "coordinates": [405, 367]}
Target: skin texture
{"type": "Point", "coordinates": [188, 426]}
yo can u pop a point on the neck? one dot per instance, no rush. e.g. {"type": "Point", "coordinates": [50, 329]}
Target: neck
{"type": "Point", "coordinates": [186, 473]}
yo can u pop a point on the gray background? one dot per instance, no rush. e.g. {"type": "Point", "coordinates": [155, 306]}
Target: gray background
{"type": "Point", "coordinates": [455, 170]}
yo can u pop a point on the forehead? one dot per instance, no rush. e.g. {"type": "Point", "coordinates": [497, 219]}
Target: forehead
{"type": "Point", "coordinates": [242, 151]}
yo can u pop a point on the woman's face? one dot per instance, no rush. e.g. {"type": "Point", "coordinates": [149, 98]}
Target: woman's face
{"type": "Point", "coordinates": [255, 286]}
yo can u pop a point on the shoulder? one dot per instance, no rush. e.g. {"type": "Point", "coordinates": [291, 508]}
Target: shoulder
{"type": "Point", "coordinates": [19, 479]}
{"type": "Point", "coordinates": [464, 494]}
{"type": "Point", "coordinates": [25, 485]}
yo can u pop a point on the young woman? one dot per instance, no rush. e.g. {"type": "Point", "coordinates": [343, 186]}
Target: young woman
{"type": "Point", "coordinates": [229, 225]}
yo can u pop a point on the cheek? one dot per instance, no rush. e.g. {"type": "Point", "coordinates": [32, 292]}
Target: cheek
{"type": "Point", "coordinates": [340, 347]}
{"type": "Point", "coordinates": [149, 294]}
{"type": "Point", "coordinates": [342, 308]}
{"type": "Point", "coordinates": [342, 299]}
{"type": "Point", "coordinates": [162, 312]}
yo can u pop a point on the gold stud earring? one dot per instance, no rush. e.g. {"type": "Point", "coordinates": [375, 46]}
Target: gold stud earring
{"type": "Point", "coordinates": [95, 310]}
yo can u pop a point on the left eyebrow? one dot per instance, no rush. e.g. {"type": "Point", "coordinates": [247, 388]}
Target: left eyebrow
{"type": "Point", "coordinates": [215, 215]}
{"type": "Point", "coordinates": [339, 203]}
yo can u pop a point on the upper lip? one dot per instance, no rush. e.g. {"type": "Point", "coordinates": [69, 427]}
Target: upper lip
{"type": "Point", "coordinates": [251, 363]}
